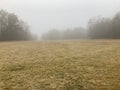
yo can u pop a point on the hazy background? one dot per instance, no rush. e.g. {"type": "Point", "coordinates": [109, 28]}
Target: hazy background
{"type": "Point", "coordinates": [43, 15]}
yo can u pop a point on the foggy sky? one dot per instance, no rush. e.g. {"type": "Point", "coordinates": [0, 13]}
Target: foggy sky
{"type": "Point", "coordinates": [43, 15]}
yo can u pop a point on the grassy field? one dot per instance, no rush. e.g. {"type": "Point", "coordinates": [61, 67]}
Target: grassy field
{"type": "Point", "coordinates": [60, 65]}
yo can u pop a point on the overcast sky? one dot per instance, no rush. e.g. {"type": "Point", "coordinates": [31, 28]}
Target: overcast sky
{"type": "Point", "coordinates": [43, 15]}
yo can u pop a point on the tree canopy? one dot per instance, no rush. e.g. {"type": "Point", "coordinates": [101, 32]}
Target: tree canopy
{"type": "Point", "coordinates": [12, 28]}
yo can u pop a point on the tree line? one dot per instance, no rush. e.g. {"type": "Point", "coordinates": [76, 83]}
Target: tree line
{"type": "Point", "coordinates": [55, 34]}
{"type": "Point", "coordinates": [12, 28]}
{"type": "Point", "coordinates": [98, 28]}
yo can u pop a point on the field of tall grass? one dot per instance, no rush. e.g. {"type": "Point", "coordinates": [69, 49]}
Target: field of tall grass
{"type": "Point", "coordinates": [60, 65]}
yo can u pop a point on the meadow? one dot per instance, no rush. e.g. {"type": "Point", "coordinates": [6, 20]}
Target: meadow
{"type": "Point", "coordinates": [60, 65]}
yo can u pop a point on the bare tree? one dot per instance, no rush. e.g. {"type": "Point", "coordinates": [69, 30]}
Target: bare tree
{"type": "Point", "coordinates": [11, 28]}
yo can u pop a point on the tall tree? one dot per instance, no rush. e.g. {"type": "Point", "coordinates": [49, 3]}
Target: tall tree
{"type": "Point", "coordinates": [11, 28]}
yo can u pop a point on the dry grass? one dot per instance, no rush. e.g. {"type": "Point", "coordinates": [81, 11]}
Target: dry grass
{"type": "Point", "coordinates": [63, 65]}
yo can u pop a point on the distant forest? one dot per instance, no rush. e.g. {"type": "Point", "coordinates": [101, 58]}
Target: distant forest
{"type": "Point", "coordinates": [98, 28]}
{"type": "Point", "coordinates": [13, 29]}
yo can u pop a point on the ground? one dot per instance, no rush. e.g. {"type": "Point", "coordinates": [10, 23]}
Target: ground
{"type": "Point", "coordinates": [60, 65]}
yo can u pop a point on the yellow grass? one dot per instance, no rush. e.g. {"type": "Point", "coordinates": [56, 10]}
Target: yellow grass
{"type": "Point", "coordinates": [60, 65]}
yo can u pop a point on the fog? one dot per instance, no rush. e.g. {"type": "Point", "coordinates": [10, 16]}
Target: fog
{"type": "Point", "coordinates": [43, 15]}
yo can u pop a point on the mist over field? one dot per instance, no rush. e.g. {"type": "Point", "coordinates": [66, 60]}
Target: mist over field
{"type": "Point", "coordinates": [59, 44]}
{"type": "Point", "coordinates": [44, 15]}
